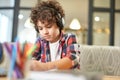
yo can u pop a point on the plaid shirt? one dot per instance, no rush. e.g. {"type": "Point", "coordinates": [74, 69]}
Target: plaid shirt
{"type": "Point", "coordinates": [68, 47]}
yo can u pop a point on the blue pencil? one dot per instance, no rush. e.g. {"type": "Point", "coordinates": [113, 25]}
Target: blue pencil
{"type": "Point", "coordinates": [13, 60]}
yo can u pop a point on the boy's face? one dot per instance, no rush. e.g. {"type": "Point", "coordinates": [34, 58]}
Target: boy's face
{"type": "Point", "coordinates": [49, 32]}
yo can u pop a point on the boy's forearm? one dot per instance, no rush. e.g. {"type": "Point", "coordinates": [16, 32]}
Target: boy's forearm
{"type": "Point", "coordinates": [64, 63]}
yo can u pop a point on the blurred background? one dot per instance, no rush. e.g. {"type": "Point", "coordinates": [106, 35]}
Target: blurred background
{"type": "Point", "coordinates": [95, 22]}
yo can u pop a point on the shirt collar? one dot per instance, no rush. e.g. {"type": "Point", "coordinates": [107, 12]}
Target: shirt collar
{"type": "Point", "coordinates": [62, 38]}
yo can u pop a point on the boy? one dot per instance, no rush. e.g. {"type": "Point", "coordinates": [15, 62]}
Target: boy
{"type": "Point", "coordinates": [55, 50]}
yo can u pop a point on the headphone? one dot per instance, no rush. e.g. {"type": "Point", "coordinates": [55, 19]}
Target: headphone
{"type": "Point", "coordinates": [60, 21]}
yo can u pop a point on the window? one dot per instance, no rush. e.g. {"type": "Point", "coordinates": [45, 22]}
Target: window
{"type": "Point", "coordinates": [6, 3]}
{"type": "Point", "coordinates": [101, 3]}
{"type": "Point", "coordinates": [101, 28]}
{"type": "Point", "coordinates": [6, 25]}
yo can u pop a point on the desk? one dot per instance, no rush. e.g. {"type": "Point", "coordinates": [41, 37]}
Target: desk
{"type": "Point", "coordinates": [104, 78]}
{"type": "Point", "coordinates": [111, 78]}
{"type": "Point", "coordinates": [3, 78]}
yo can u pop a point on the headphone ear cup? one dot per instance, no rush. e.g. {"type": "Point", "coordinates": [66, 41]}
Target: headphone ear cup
{"type": "Point", "coordinates": [63, 21]}
{"type": "Point", "coordinates": [60, 19]}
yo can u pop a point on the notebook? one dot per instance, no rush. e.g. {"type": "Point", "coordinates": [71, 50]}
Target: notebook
{"type": "Point", "coordinates": [63, 75]}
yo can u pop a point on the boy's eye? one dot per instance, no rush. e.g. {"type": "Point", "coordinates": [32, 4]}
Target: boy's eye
{"type": "Point", "coordinates": [48, 26]}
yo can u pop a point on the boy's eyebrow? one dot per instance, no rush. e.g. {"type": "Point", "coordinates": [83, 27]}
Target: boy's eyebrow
{"type": "Point", "coordinates": [46, 25]}
{"type": "Point", "coordinates": [49, 24]}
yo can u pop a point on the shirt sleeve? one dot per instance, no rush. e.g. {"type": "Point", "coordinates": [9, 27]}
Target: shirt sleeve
{"type": "Point", "coordinates": [73, 51]}
{"type": "Point", "coordinates": [36, 54]}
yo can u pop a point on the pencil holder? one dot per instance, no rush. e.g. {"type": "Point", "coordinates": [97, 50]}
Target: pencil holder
{"type": "Point", "coordinates": [19, 55]}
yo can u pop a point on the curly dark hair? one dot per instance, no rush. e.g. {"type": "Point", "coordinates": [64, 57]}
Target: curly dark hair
{"type": "Point", "coordinates": [50, 11]}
